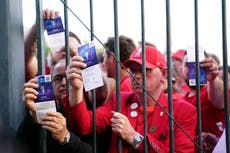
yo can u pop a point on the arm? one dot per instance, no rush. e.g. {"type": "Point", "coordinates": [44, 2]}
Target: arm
{"type": "Point", "coordinates": [215, 84]}
{"type": "Point", "coordinates": [30, 47]}
{"type": "Point", "coordinates": [73, 74]}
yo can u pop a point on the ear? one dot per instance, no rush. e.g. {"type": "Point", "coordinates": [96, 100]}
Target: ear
{"type": "Point", "coordinates": [164, 75]}
{"type": "Point", "coordinates": [111, 58]}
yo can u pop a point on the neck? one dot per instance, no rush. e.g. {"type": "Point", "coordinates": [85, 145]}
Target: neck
{"type": "Point", "coordinates": [149, 99]}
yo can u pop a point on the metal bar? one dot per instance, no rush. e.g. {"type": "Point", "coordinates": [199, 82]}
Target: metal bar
{"type": "Point", "coordinates": [93, 91]}
{"type": "Point", "coordinates": [117, 54]}
{"type": "Point", "coordinates": [225, 71]}
{"type": "Point", "coordinates": [144, 76]}
{"type": "Point", "coordinates": [41, 64]}
{"type": "Point", "coordinates": [198, 105]}
{"type": "Point", "coordinates": [40, 38]}
{"type": "Point", "coordinates": [170, 103]}
{"type": "Point", "coordinates": [66, 22]}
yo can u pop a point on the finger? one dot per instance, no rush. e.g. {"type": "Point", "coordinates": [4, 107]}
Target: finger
{"type": "Point", "coordinates": [118, 115]}
{"type": "Point", "coordinates": [29, 97]}
{"type": "Point", "coordinates": [52, 119]}
{"type": "Point", "coordinates": [47, 14]}
{"type": "Point", "coordinates": [57, 115]}
{"type": "Point", "coordinates": [51, 129]}
{"type": "Point", "coordinates": [74, 76]}
{"type": "Point", "coordinates": [52, 14]}
{"type": "Point", "coordinates": [77, 64]}
{"type": "Point", "coordinates": [30, 91]}
{"type": "Point", "coordinates": [77, 58]}
{"type": "Point", "coordinates": [57, 13]}
{"type": "Point", "coordinates": [30, 85]}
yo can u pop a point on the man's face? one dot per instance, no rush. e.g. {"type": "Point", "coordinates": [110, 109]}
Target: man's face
{"type": "Point", "coordinates": [109, 65]}
{"type": "Point", "coordinates": [59, 81]}
{"type": "Point", "coordinates": [153, 79]}
{"type": "Point", "coordinates": [177, 68]}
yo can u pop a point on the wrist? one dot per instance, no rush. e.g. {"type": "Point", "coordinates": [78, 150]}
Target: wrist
{"type": "Point", "coordinates": [137, 140]}
{"type": "Point", "coordinates": [33, 115]}
{"type": "Point", "coordinates": [65, 139]}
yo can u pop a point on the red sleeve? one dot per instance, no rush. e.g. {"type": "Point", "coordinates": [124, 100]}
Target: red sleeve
{"type": "Point", "coordinates": [185, 114]}
{"type": "Point", "coordinates": [80, 119]}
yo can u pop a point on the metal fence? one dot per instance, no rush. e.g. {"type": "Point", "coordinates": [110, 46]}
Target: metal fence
{"type": "Point", "coordinates": [168, 40]}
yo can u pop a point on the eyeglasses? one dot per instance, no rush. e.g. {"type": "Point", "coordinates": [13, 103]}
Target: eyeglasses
{"type": "Point", "coordinates": [58, 78]}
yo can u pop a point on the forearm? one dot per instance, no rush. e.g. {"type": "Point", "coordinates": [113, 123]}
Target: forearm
{"type": "Point", "coordinates": [216, 93]}
{"type": "Point", "coordinates": [30, 48]}
{"type": "Point", "coordinates": [30, 43]}
{"type": "Point", "coordinates": [75, 96]}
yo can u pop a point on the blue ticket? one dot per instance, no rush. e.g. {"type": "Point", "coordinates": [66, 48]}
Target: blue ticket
{"type": "Point", "coordinates": [192, 74]}
{"type": "Point", "coordinates": [88, 52]}
{"type": "Point", "coordinates": [54, 26]}
{"type": "Point", "coordinates": [45, 89]}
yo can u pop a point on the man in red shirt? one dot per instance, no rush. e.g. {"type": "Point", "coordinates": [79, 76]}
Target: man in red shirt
{"type": "Point", "coordinates": [128, 123]}
{"type": "Point", "coordinates": [126, 46]}
{"type": "Point", "coordinates": [211, 97]}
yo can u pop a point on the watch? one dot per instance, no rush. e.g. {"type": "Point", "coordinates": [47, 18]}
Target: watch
{"type": "Point", "coordinates": [138, 138]}
{"type": "Point", "coordinates": [67, 138]}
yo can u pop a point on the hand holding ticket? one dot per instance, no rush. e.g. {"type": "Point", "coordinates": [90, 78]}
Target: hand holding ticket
{"type": "Point", "coordinates": [92, 77]}
{"type": "Point", "coordinates": [45, 99]}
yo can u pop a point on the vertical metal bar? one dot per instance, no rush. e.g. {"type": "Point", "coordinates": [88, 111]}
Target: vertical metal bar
{"type": "Point", "coordinates": [117, 54]}
{"type": "Point", "coordinates": [199, 125]}
{"type": "Point", "coordinates": [41, 63]}
{"type": "Point", "coordinates": [225, 71]}
{"type": "Point", "coordinates": [66, 20]}
{"type": "Point", "coordinates": [93, 91]}
{"type": "Point", "coordinates": [144, 75]}
{"type": "Point", "coordinates": [170, 103]}
{"type": "Point", "coordinates": [40, 38]}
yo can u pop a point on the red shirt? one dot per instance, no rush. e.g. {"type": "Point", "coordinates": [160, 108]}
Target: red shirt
{"type": "Point", "coordinates": [209, 114]}
{"type": "Point", "coordinates": [158, 124]}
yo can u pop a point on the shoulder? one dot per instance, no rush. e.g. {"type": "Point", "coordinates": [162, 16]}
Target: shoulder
{"type": "Point", "coordinates": [183, 106]}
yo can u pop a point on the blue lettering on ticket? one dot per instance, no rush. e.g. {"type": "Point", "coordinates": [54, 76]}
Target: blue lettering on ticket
{"type": "Point", "coordinates": [88, 52]}
{"type": "Point", "coordinates": [54, 26]}
{"type": "Point", "coordinates": [45, 89]}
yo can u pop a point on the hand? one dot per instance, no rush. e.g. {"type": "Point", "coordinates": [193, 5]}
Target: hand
{"type": "Point", "coordinates": [30, 94]}
{"type": "Point", "coordinates": [73, 72]}
{"type": "Point", "coordinates": [209, 141]}
{"type": "Point", "coordinates": [212, 70]}
{"type": "Point", "coordinates": [50, 14]}
{"type": "Point", "coordinates": [55, 122]}
{"type": "Point", "coordinates": [122, 127]}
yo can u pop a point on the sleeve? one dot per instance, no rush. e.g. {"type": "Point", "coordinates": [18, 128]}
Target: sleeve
{"type": "Point", "coordinates": [28, 134]}
{"type": "Point", "coordinates": [81, 120]}
{"type": "Point", "coordinates": [75, 145]}
{"type": "Point", "coordinates": [154, 146]}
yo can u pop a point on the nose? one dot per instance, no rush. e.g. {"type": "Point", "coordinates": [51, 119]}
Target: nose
{"type": "Point", "coordinates": [63, 81]}
{"type": "Point", "coordinates": [136, 75]}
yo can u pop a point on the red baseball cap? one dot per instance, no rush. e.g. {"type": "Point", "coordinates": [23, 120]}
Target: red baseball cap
{"type": "Point", "coordinates": [179, 54]}
{"type": "Point", "coordinates": [154, 58]}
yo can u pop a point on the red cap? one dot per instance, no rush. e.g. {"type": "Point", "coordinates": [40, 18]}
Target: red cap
{"type": "Point", "coordinates": [154, 58]}
{"type": "Point", "coordinates": [179, 54]}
